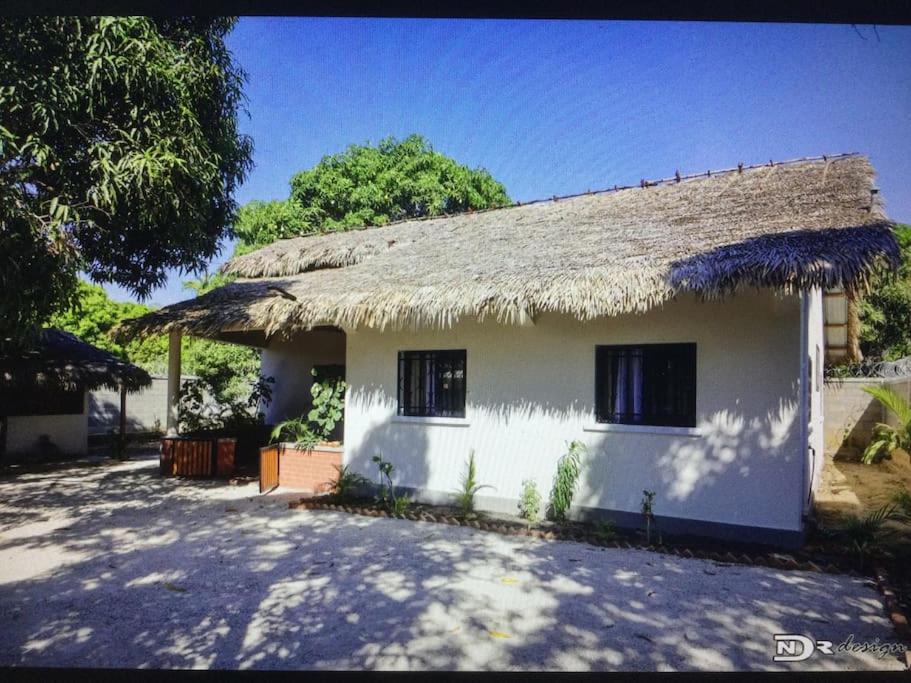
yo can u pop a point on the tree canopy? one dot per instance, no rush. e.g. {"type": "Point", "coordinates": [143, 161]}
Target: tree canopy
{"type": "Point", "coordinates": [119, 156]}
{"type": "Point", "coordinates": [885, 311]}
{"type": "Point", "coordinates": [94, 314]}
{"type": "Point", "coordinates": [369, 185]}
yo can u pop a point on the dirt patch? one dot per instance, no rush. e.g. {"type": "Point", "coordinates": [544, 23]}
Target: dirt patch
{"type": "Point", "coordinates": [850, 487]}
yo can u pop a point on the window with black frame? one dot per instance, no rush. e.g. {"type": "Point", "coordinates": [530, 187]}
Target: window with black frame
{"type": "Point", "coordinates": [646, 384]}
{"type": "Point", "coordinates": [432, 383]}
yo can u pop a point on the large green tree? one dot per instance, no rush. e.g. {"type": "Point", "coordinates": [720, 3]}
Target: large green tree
{"type": "Point", "coordinates": [93, 316]}
{"type": "Point", "coordinates": [369, 185]}
{"type": "Point", "coordinates": [119, 156]}
{"type": "Point", "coordinates": [885, 311]}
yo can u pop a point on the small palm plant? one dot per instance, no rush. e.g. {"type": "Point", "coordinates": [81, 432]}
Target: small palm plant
{"type": "Point", "coordinates": [886, 438]}
{"type": "Point", "coordinates": [902, 501]}
{"type": "Point", "coordinates": [347, 481]}
{"type": "Point", "coordinates": [296, 430]}
{"type": "Point", "coordinates": [866, 534]}
{"type": "Point", "coordinates": [470, 486]}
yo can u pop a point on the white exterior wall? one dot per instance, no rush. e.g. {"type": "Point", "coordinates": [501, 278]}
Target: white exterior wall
{"type": "Point", "coordinates": [816, 351]}
{"type": "Point", "coordinates": [530, 390]}
{"type": "Point", "coordinates": [290, 362]}
{"type": "Point", "coordinates": [69, 433]}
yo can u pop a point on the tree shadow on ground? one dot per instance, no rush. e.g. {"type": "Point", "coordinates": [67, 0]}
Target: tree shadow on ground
{"type": "Point", "coordinates": [116, 566]}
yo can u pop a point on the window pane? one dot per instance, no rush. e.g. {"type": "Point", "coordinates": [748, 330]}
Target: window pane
{"type": "Point", "coordinates": [650, 384]}
{"type": "Point", "coordinates": [432, 383]}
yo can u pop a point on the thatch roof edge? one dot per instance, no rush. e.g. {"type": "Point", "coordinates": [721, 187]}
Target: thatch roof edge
{"type": "Point", "coordinates": [62, 359]}
{"type": "Point", "coordinates": [843, 257]}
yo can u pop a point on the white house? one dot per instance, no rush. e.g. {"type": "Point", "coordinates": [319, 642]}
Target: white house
{"type": "Point", "coordinates": [675, 328]}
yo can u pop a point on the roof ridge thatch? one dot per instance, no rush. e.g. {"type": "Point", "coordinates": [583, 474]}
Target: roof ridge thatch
{"type": "Point", "coordinates": [273, 260]}
{"type": "Point", "coordinates": [815, 223]}
{"type": "Point", "coordinates": [61, 358]}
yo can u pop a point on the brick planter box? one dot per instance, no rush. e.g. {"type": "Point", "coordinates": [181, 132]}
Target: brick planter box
{"type": "Point", "coordinates": [314, 470]}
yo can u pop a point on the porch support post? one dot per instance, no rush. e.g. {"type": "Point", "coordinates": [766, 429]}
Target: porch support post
{"type": "Point", "coordinates": [173, 380]}
{"type": "Point", "coordinates": [123, 413]}
{"type": "Point", "coordinates": [853, 327]}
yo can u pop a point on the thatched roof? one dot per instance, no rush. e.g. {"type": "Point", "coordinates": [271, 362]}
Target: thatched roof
{"type": "Point", "coordinates": [797, 224]}
{"type": "Point", "coordinates": [62, 359]}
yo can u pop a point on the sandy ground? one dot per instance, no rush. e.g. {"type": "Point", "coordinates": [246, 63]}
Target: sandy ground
{"type": "Point", "coordinates": [113, 566]}
{"type": "Point", "coordinates": [850, 487]}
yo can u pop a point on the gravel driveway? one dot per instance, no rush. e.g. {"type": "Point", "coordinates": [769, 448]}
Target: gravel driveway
{"type": "Point", "coordinates": [111, 565]}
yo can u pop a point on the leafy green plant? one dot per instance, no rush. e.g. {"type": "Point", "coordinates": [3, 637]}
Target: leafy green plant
{"type": "Point", "coordinates": [400, 504]}
{"type": "Point", "coordinates": [648, 500]}
{"type": "Point", "coordinates": [568, 469]}
{"type": "Point", "coordinates": [605, 529]}
{"type": "Point", "coordinates": [393, 179]}
{"type": "Point", "coordinates": [863, 535]}
{"type": "Point", "coordinates": [199, 410]}
{"type": "Point", "coordinates": [347, 481]}
{"type": "Point", "coordinates": [297, 431]}
{"type": "Point", "coordinates": [902, 501]}
{"type": "Point", "coordinates": [887, 439]}
{"type": "Point", "coordinates": [387, 488]}
{"type": "Point", "coordinates": [120, 154]}
{"type": "Point", "coordinates": [469, 487]}
{"type": "Point", "coordinates": [530, 502]}
{"type": "Point", "coordinates": [885, 309]}
{"type": "Point", "coordinates": [328, 404]}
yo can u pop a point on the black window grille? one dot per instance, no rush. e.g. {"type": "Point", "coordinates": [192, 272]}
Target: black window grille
{"type": "Point", "coordinates": [646, 384]}
{"type": "Point", "coordinates": [432, 383]}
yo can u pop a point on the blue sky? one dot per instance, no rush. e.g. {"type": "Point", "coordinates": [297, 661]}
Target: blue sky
{"type": "Point", "coordinates": [556, 107]}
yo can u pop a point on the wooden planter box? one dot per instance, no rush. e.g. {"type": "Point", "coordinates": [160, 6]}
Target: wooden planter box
{"type": "Point", "coordinates": [183, 456]}
{"type": "Point", "coordinates": [313, 470]}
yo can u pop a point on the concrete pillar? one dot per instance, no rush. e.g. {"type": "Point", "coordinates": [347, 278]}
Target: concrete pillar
{"type": "Point", "coordinates": [173, 380]}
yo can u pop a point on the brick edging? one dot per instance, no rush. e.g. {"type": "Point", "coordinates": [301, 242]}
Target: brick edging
{"type": "Point", "coordinates": [512, 529]}
{"type": "Point", "coordinates": [893, 609]}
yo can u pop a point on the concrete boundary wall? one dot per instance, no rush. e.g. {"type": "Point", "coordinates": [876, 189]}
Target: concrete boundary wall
{"type": "Point", "coordinates": [851, 413]}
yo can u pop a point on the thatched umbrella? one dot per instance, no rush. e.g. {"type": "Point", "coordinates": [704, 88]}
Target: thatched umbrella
{"type": "Point", "coordinates": [62, 361]}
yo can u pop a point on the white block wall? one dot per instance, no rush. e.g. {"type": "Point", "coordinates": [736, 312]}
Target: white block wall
{"type": "Point", "coordinates": [68, 433]}
{"type": "Point", "coordinates": [531, 390]}
{"type": "Point", "coordinates": [290, 362]}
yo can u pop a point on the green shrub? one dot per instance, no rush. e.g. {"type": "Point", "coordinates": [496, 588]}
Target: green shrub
{"type": "Point", "coordinates": [400, 504]}
{"type": "Point", "coordinates": [530, 502]}
{"type": "Point", "coordinates": [568, 469]}
{"type": "Point", "coordinates": [605, 530]}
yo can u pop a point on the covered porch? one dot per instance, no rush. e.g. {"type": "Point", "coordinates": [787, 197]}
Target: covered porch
{"type": "Point", "coordinates": [290, 361]}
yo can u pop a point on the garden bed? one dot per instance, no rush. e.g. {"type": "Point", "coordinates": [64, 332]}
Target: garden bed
{"type": "Point", "coordinates": [808, 559]}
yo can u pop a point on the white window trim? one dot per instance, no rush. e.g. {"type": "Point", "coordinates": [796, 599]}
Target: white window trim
{"type": "Point", "coordinates": [641, 429]}
{"type": "Point", "coordinates": [441, 421]}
